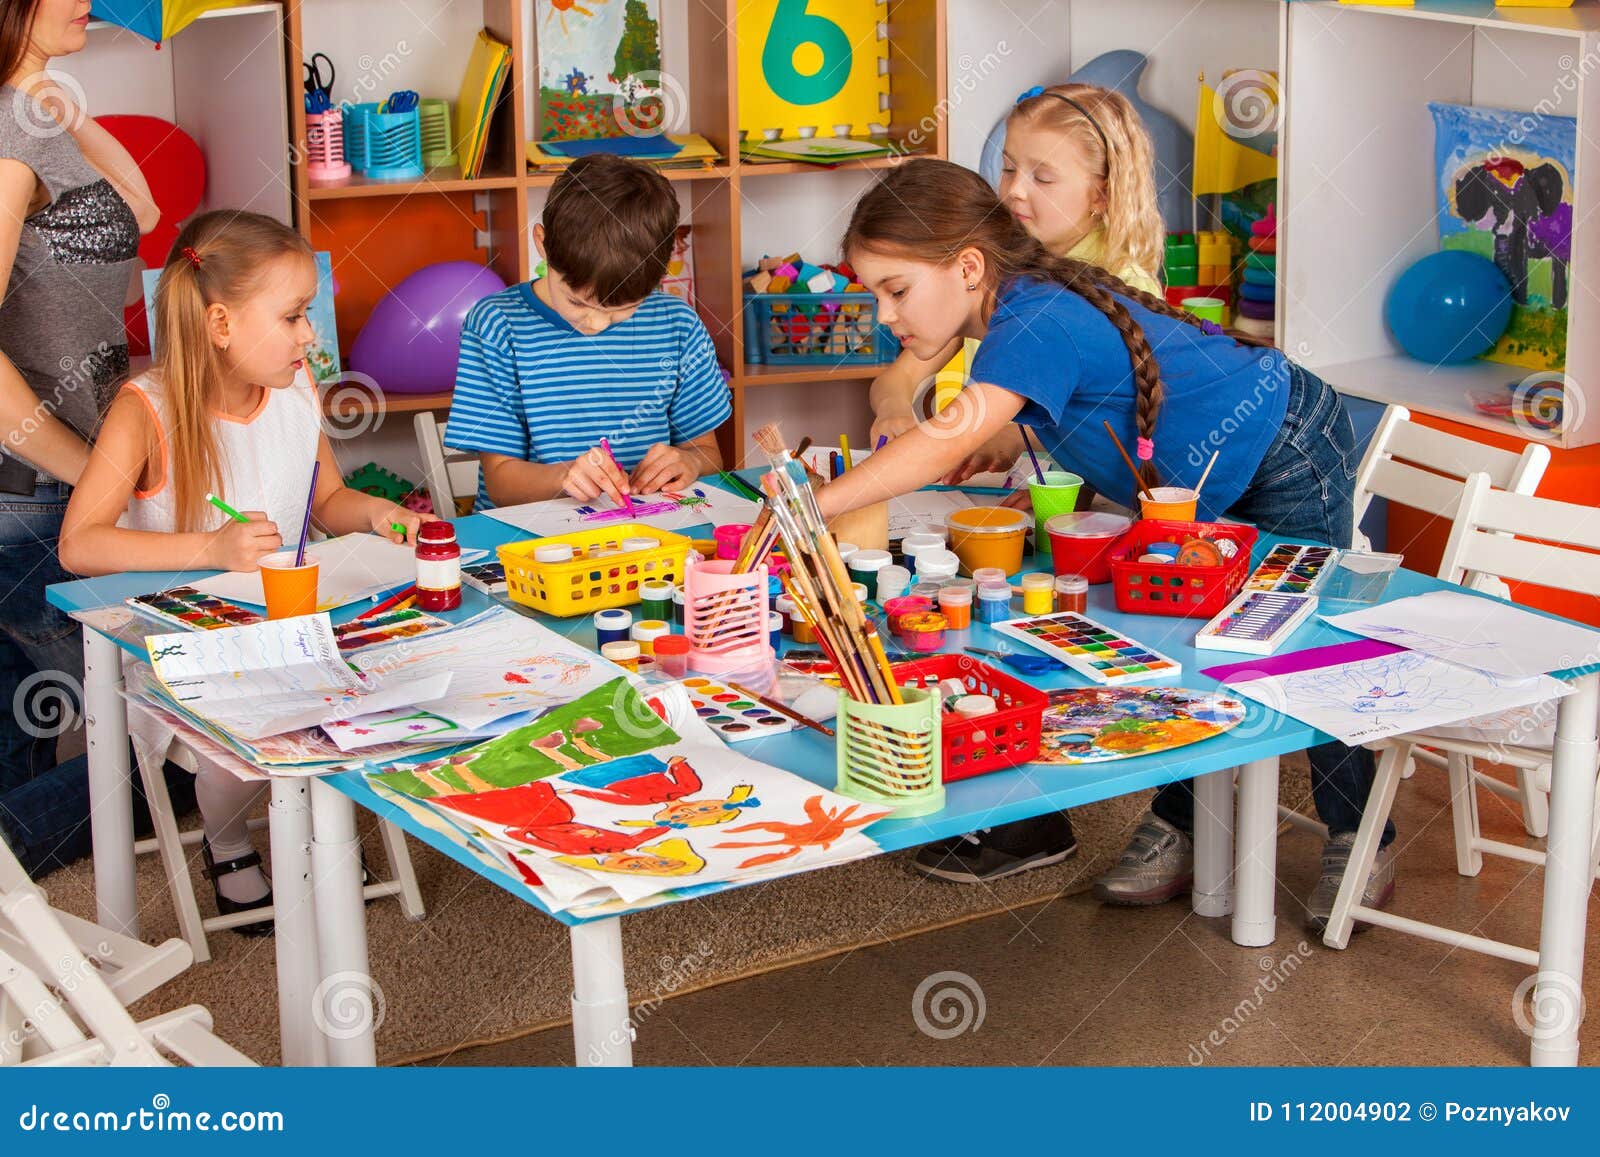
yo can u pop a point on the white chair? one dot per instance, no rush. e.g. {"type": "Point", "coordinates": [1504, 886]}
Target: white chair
{"type": "Point", "coordinates": [65, 985]}
{"type": "Point", "coordinates": [1482, 543]}
{"type": "Point", "coordinates": [1426, 469]}
{"type": "Point", "coordinates": [450, 474]}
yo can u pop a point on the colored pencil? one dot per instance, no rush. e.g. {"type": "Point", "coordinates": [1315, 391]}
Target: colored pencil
{"type": "Point", "coordinates": [390, 603]}
{"type": "Point", "coordinates": [1138, 482]}
{"type": "Point", "coordinates": [772, 705]}
{"type": "Point", "coordinates": [627, 499]}
{"type": "Point", "coordinates": [225, 508]}
{"type": "Point", "coordinates": [305, 526]}
{"type": "Point", "coordinates": [844, 451]}
{"type": "Point", "coordinates": [882, 438]}
{"type": "Point", "coordinates": [1027, 444]}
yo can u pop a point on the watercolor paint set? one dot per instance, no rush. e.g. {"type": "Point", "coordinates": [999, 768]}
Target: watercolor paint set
{"type": "Point", "coordinates": [1256, 622]}
{"type": "Point", "coordinates": [1293, 567]}
{"type": "Point", "coordinates": [488, 577]}
{"type": "Point", "coordinates": [1092, 649]}
{"type": "Point", "coordinates": [389, 627]}
{"type": "Point", "coordinates": [194, 610]}
{"type": "Point", "coordinates": [736, 714]}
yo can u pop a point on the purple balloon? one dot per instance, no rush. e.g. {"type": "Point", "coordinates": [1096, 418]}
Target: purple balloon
{"type": "Point", "coordinates": [410, 343]}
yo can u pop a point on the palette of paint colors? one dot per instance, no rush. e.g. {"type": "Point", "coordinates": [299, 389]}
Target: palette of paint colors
{"type": "Point", "coordinates": [194, 610]}
{"type": "Point", "coordinates": [488, 577]}
{"type": "Point", "coordinates": [732, 714]}
{"type": "Point", "coordinates": [1256, 622]}
{"type": "Point", "coordinates": [1092, 649]}
{"type": "Point", "coordinates": [386, 628]}
{"type": "Point", "coordinates": [1292, 567]}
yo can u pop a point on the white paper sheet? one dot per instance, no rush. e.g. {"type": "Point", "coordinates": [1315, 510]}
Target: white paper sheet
{"type": "Point", "coordinates": [351, 567]}
{"type": "Point", "coordinates": [567, 515]}
{"type": "Point", "coordinates": [1392, 694]}
{"type": "Point", "coordinates": [925, 510]}
{"type": "Point", "coordinates": [1486, 634]}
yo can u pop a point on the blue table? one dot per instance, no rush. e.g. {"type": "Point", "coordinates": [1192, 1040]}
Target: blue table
{"type": "Point", "coordinates": [1234, 869]}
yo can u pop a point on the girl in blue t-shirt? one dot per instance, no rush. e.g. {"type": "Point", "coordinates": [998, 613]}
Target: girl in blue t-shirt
{"type": "Point", "coordinates": [1067, 346]}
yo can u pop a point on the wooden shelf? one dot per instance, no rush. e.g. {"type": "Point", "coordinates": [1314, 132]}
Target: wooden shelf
{"type": "Point", "coordinates": [758, 375]}
{"type": "Point", "coordinates": [714, 173]}
{"type": "Point", "coordinates": [780, 168]}
{"type": "Point", "coordinates": [348, 406]}
{"type": "Point", "coordinates": [1579, 20]}
{"type": "Point", "coordinates": [444, 179]}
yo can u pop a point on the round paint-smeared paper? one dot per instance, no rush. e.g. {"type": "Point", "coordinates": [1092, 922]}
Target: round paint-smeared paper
{"type": "Point", "coordinates": [1098, 724]}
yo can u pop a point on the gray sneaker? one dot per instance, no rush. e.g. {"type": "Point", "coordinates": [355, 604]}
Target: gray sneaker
{"type": "Point", "coordinates": [1335, 855]}
{"type": "Point", "coordinates": [1156, 866]}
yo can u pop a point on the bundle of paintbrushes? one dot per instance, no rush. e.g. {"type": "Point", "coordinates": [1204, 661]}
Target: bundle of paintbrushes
{"type": "Point", "coordinates": [818, 582]}
{"type": "Point", "coordinates": [763, 536]}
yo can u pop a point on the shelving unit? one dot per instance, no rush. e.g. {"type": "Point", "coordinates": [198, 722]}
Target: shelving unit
{"type": "Point", "coordinates": [443, 217]}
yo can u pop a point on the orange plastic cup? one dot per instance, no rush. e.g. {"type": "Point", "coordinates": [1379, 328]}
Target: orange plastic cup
{"type": "Point", "coordinates": [1171, 502]}
{"type": "Point", "coordinates": [988, 536]}
{"type": "Point", "coordinates": [291, 590]}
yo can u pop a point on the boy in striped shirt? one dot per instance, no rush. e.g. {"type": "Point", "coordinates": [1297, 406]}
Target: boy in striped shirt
{"type": "Point", "coordinates": [591, 350]}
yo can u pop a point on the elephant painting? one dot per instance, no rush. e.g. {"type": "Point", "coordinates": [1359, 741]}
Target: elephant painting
{"type": "Point", "coordinates": [1525, 208]}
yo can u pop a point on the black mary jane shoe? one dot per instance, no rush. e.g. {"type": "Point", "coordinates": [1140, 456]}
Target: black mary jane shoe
{"type": "Point", "coordinates": [226, 907]}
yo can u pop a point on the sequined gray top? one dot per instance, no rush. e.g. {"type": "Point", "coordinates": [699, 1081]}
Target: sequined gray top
{"type": "Point", "coordinates": [61, 317]}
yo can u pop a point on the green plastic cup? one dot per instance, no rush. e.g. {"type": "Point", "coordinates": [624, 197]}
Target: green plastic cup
{"type": "Point", "coordinates": [1057, 494]}
{"type": "Point", "coordinates": [1212, 309]}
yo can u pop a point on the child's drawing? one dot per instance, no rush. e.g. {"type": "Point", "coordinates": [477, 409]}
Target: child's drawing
{"type": "Point", "coordinates": [699, 813]}
{"type": "Point", "coordinates": [823, 826]}
{"type": "Point", "coordinates": [671, 857]}
{"type": "Point", "coordinates": [664, 510]}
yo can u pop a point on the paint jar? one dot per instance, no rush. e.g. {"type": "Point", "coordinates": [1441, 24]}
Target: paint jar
{"type": "Point", "coordinates": [1081, 543]}
{"type": "Point", "coordinates": [860, 590]}
{"type": "Point", "coordinates": [864, 566]}
{"type": "Point", "coordinates": [955, 604]}
{"type": "Point", "coordinates": [1164, 550]}
{"type": "Point", "coordinates": [632, 545]}
{"type": "Point", "coordinates": [553, 552]}
{"type": "Point", "coordinates": [926, 590]}
{"type": "Point", "coordinates": [912, 545]}
{"type": "Point", "coordinates": [1072, 593]}
{"type": "Point", "coordinates": [677, 605]}
{"type": "Point", "coordinates": [994, 602]}
{"type": "Point", "coordinates": [922, 633]}
{"type": "Point", "coordinates": [1038, 593]}
{"type": "Point", "coordinates": [896, 609]}
{"type": "Point", "coordinates": [672, 655]}
{"type": "Point", "coordinates": [974, 706]}
{"type": "Point", "coordinates": [1172, 502]}
{"type": "Point", "coordinates": [950, 690]}
{"type": "Point", "coordinates": [985, 537]}
{"type": "Point", "coordinates": [801, 629]}
{"type": "Point", "coordinates": [729, 538]}
{"type": "Point", "coordinates": [846, 551]}
{"type": "Point", "coordinates": [646, 632]}
{"type": "Point", "coordinates": [937, 564]}
{"type": "Point", "coordinates": [655, 599]}
{"type": "Point", "coordinates": [775, 621]}
{"type": "Point", "coordinates": [624, 653]}
{"type": "Point", "coordinates": [988, 574]}
{"type": "Point", "coordinates": [611, 626]}
{"type": "Point", "coordinates": [783, 605]}
{"type": "Point", "coordinates": [893, 581]}
{"type": "Point", "coordinates": [438, 567]}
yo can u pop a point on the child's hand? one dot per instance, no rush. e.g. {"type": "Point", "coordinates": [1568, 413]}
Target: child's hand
{"type": "Point", "coordinates": [242, 545]}
{"type": "Point", "coordinates": [891, 425]}
{"type": "Point", "coordinates": [664, 468]}
{"type": "Point", "coordinates": [387, 516]}
{"type": "Point", "coordinates": [997, 455]}
{"type": "Point", "coordinates": [593, 474]}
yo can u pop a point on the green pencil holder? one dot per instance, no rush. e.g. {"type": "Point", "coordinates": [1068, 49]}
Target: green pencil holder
{"type": "Point", "coordinates": [891, 755]}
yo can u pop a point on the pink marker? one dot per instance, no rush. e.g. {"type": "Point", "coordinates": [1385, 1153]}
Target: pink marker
{"type": "Point", "coordinates": [627, 499]}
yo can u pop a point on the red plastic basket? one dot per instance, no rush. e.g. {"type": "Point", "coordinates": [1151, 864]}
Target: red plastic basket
{"type": "Point", "coordinates": [1155, 588]}
{"type": "Point", "coordinates": [994, 742]}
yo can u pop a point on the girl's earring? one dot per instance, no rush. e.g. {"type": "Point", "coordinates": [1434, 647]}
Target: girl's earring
{"type": "Point", "coordinates": [971, 287]}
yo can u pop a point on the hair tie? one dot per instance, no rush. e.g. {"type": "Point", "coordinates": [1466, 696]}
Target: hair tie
{"type": "Point", "coordinates": [1040, 90]}
{"type": "Point", "coordinates": [194, 258]}
{"type": "Point", "coordinates": [1146, 450]}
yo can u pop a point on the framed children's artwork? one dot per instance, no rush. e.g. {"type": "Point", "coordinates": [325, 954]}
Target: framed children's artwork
{"type": "Point", "coordinates": [1505, 193]}
{"type": "Point", "coordinates": [599, 69]}
{"type": "Point", "coordinates": [323, 357]}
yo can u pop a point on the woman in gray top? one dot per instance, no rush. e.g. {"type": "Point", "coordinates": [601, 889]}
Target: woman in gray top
{"type": "Point", "coordinates": [72, 208]}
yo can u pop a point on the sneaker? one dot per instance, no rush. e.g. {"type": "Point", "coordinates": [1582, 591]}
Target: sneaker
{"type": "Point", "coordinates": [994, 853]}
{"type": "Point", "coordinates": [1335, 855]}
{"type": "Point", "coordinates": [1156, 866]}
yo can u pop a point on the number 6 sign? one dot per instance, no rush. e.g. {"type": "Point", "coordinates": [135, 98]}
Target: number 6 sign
{"type": "Point", "coordinates": [810, 64]}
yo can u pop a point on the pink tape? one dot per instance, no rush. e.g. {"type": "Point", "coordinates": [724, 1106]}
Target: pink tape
{"type": "Point", "coordinates": [1146, 450]}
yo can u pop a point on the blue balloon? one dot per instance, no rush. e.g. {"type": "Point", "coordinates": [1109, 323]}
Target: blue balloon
{"type": "Point", "coordinates": [1449, 307]}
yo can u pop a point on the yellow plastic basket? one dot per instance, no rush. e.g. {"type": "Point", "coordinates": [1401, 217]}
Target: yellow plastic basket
{"type": "Point", "coordinates": [587, 583]}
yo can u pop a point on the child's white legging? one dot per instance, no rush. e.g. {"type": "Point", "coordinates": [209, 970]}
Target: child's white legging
{"type": "Point", "coordinates": [226, 802]}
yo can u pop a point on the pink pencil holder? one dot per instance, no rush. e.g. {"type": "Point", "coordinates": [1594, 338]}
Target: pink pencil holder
{"type": "Point", "coordinates": [325, 146]}
{"type": "Point", "coordinates": [725, 617]}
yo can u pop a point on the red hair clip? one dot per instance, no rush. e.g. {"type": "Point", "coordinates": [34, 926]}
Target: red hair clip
{"type": "Point", "coordinates": [194, 258]}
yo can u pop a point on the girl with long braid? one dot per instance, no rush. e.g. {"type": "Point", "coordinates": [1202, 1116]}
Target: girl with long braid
{"type": "Point", "coordinates": [1066, 346]}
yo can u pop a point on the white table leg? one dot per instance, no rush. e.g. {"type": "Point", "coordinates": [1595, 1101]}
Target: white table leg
{"type": "Point", "coordinates": [1558, 995]}
{"type": "Point", "coordinates": [343, 1004]}
{"type": "Point", "coordinates": [116, 890]}
{"type": "Point", "coordinates": [1213, 844]}
{"type": "Point", "coordinates": [601, 1033]}
{"type": "Point", "coordinates": [1256, 854]}
{"type": "Point", "coordinates": [295, 935]}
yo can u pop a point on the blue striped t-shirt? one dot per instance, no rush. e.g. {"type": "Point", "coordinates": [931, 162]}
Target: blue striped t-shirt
{"type": "Point", "coordinates": [530, 386]}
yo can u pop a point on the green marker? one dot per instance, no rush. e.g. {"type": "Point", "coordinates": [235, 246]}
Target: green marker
{"type": "Point", "coordinates": [225, 508]}
{"type": "Point", "coordinates": [399, 528]}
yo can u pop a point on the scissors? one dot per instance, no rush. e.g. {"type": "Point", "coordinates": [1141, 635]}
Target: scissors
{"type": "Point", "coordinates": [1028, 664]}
{"type": "Point", "coordinates": [318, 91]}
{"type": "Point", "coordinates": [401, 100]}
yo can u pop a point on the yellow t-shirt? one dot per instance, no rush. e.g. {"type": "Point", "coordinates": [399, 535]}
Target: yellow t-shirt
{"type": "Point", "coordinates": [1092, 249]}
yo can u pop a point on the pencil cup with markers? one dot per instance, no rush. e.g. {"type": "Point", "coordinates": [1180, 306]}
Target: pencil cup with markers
{"type": "Point", "coordinates": [725, 617]}
{"type": "Point", "coordinates": [890, 754]}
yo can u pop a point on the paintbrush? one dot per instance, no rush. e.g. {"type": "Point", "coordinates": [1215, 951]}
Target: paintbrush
{"type": "Point", "coordinates": [1138, 482]}
{"type": "Point", "coordinates": [1199, 486]}
{"type": "Point", "coordinates": [1027, 444]}
{"type": "Point", "coordinates": [774, 705]}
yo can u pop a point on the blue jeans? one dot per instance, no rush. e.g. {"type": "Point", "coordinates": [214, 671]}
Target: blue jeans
{"type": "Point", "coordinates": [1304, 489]}
{"type": "Point", "coordinates": [44, 806]}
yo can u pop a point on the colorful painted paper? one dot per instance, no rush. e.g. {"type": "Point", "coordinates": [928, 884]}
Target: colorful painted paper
{"type": "Point", "coordinates": [599, 69]}
{"type": "Point", "coordinates": [697, 506]}
{"type": "Point", "coordinates": [1100, 724]}
{"type": "Point", "coordinates": [1505, 193]}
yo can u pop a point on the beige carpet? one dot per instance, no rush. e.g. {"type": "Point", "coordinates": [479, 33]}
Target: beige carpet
{"type": "Point", "coordinates": [483, 966]}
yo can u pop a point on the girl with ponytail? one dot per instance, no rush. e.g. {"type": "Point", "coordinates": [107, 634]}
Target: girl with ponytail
{"type": "Point", "coordinates": [228, 409]}
{"type": "Point", "coordinates": [1065, 347]}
